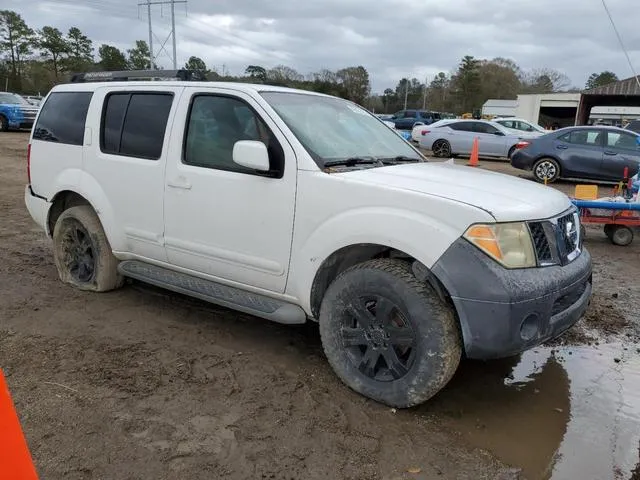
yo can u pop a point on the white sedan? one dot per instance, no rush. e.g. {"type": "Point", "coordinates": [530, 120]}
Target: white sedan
{"type": "Point", "coordinates": [455, 137]}
{"type": "Point", "coordinates": [418, 131]}
{"type": "Point", "coordinates": [522, 126]}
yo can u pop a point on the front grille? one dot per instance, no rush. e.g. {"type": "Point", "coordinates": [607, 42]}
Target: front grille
{"type": "Point", "coordinates": [540, 243]}
{"type": "Point", "coordinates": [556, 241]}
{"type": "Point", "coordinates": [29, 113]}
{"type": "Point", "coordinates": [564, 302]}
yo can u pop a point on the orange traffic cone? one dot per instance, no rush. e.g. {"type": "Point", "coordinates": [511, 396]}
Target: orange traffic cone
{"type": "Point", "coordinates": [473, 159]}
{"type": "Point", "coordinates": [15, 459]}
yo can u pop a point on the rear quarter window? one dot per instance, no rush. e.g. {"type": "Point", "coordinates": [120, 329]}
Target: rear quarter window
{"type": "Point", "coordinates": [63, 117]}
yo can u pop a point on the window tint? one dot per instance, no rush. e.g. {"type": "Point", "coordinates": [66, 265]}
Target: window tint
{"type": "Point", "coordinates": [484, 128]}
{"type": "Point", "coordinates": [62, 118]}
{"type": "Point", "coordinates": [509, 123]}
{"type": "Point", "coordinates": [410, 114]}
{"type": "Point", "coordinates": [583, 137]}
{"type": "Point", "coordinates": [114, 111]}
{"type": "Point", "coordinates": [215, 124]}
{"type": "Point", "coordinates": [462, 126]}
{"type": "Point", "coordinates": [134, 124]}
{"type": "Point", "coordinates": [626, 141]}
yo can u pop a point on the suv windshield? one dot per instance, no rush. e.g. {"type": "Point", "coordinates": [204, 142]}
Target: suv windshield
{"type": "Point", "coordinates": [12, 99]}
{"type": "Point", "coordinates": [332, 129]}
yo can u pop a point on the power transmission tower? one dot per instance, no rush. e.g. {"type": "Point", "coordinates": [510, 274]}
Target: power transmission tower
{"type": "Point", "coordinates": [148, 4]}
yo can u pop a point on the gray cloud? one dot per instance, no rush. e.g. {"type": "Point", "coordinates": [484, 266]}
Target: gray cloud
{"type": "Point", "coordinates": [391, 38]}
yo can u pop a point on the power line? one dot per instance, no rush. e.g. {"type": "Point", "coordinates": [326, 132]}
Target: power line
{"type": "Point", "coordinates": [615, 29]}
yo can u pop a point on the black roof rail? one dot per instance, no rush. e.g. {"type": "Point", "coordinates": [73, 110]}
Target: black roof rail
{"type": "Point", "coordinates": [127, 75]}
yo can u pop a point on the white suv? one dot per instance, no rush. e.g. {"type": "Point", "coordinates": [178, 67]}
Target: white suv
{"type": "Point", "coordinates": [296, 206]}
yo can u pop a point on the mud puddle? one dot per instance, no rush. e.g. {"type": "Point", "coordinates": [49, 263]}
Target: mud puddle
{"type": "Point", "coordinates": [556, 413]}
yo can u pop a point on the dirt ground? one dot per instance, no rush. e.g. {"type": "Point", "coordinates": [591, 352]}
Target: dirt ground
{"type": "Point", "coordinates": [145, 384]}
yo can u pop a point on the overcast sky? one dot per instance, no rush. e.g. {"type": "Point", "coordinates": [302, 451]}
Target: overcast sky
{"type": "Point", "coordinates": [391, 38]}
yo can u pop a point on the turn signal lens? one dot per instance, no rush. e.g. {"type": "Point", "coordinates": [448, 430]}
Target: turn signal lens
{"type": "Point", "coordinates": [508, 243]}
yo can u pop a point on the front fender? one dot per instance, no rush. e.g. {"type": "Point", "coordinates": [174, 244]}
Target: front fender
{"type": "Point", "coordinates": [420, 236]}
{"type": "Point", "coordinates": [80, 182]}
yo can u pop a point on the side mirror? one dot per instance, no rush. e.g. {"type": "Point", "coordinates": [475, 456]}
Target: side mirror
{"type": "Point", "coordinates": [418, 123]}
{"type": "Point", "coordinates": [498, 133]}
{"type": "Point", "coordinates": [251, 154]}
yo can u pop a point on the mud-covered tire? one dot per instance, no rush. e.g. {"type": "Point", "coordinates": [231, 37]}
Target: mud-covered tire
{"type": "Point", "coordinates": [431, 346]}
{"type": "Point", "coordinates": [82, 253]}
{"type": "Point", "coordinates": [621, 235]}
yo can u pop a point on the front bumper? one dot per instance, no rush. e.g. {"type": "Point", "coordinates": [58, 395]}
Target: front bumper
{"type": "Point", "coordinates": [503, 312]}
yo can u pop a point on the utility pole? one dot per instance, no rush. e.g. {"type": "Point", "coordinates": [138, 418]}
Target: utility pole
{"type": "Point", "coordinates": [173, 33]}
{"type": "Point", "coordinates": [424, 100]}
{"type": "Point", "coordinates": [148, 4]}
{"type": "Point", "coordinates": [152, 60]}
{"type": "Point", "coordinates": [406, 93]}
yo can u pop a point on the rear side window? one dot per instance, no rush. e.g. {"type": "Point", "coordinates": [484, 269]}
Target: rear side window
{"type": "Point", "coordinates": [62, 118]}
{"type": "Point", "coordinates": [462, 126]}
{"type": "Point", "coordinates": [583, 137]}
{"type": "Point", "coordinates": [134, 124]}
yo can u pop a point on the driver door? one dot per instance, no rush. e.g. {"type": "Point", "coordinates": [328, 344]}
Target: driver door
{"type": "Point", "coordinates": [222, 219]}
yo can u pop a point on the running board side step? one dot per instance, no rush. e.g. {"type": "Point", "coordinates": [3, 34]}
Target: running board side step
{"type": "Point", "coordinates": [213, 292]}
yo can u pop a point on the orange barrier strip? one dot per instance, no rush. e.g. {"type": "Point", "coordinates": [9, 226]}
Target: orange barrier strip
{"type": "Point", "coordinates": [15, 459]}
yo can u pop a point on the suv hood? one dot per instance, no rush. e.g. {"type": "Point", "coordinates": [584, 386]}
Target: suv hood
{"type": "Point", "coordinates": [505, 197]}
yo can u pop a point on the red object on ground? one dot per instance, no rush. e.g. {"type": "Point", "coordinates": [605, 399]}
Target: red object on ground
{"type": "Point", "coordinates": [15, 459]}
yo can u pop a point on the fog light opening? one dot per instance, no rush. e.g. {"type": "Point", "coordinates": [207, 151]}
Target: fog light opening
{"type": "Point", "coordinates": [530, 327]}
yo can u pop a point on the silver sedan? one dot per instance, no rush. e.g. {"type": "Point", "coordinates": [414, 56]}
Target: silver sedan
{"type": "Point", "coordinates": [456, 138]}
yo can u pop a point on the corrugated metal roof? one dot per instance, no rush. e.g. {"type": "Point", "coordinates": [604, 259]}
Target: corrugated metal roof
{"type": "Point", "coordinates": [628, 86]}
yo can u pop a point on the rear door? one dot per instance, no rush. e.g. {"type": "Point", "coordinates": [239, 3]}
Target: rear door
{"type": "Point", "coordinates": [127, 154]}
{"type": "Point", "coordinates": [621, 150]}
{"type": "Point", "coordinates": [580, 152]}
{"type": "Point", "coordinates": [461, 137]}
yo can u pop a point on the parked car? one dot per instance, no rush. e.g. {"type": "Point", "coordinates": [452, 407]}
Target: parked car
{"type": "Point", "coordinates": [291, 205]}
{"type": "Point", "coordinates": [634, 126]}
{"type": "Point", "coordinates": [33, 99]}
{"type": "Point", "coordinates": [595, 153]}
{"type": "Point", "coordinates": [407, 119]}
{"type": "Point", "coordinates": [455, 137]}
{"type": "Point", "coordinates": [420, 130]}
{"type": "Point", "coordinates": [15, 112]}
{"type": "Point", "coordinates": [521, 125]}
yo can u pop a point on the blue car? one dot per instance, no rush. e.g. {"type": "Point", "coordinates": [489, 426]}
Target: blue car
{"type": "Point", "coordinates": [16, 112]}
{"type": "Point", "coordinates": [593, 153]}
{"type": "Point", "coordinates": [406, 119]}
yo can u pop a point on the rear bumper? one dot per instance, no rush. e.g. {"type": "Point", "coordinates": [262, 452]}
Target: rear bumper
{"type": "Point", "coordinates": [522, 160]}
{"type": "Point", "coordinates": [503, 312]}
{"type": "Point", "coordinates": [38, 208]}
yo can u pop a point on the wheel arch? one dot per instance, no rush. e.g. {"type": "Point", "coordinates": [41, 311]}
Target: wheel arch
{"type": "Point", "coordinates": [542, 156]}
{"type": "Point", "coordinates": [92, 195]}
{"type": "Point", "coordinates": [351, 255]}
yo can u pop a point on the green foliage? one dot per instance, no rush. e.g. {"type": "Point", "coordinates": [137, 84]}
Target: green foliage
{"type": "Point", "coordinates": [140, 56]}
{"type": "Point", "coordinates": [599, 79]}
{"type": "Point", "coordinates": [111, 58]}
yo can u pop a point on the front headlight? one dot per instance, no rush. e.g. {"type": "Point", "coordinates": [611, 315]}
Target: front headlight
{"type": "Point", "coordinates": [508, 243]}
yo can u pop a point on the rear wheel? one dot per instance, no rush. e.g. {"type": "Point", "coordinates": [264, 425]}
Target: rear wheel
{"type": "Point", "coordinates": [621, 235]}
{"type": "Point", "coordinates": [441, 149]}
{"type": "Point", "coordinates": [387, 335]}
{"type": "Point", "coordinates": [546, 168]}
{"type": "Point", "coordinates": [82, 252]}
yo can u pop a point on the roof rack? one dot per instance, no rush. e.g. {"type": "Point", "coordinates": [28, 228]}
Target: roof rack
{"type": "Point", "coordinates": [127, 75]}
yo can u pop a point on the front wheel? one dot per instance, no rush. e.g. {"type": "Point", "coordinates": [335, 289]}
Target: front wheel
{"type": "Point", "coordinates": [387, 335]}
{"type": "Point", "coordinates": [546, 168]}
{"type": "Point", "coordinates": [82, 252]}
{"type": "Point", "coordinates": [4, 123]}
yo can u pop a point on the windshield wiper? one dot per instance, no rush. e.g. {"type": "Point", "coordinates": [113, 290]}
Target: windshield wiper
{"type": "Point", "coordinates": [352, 161]}
{"type": "Point", "coordinates": [399, 158]}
